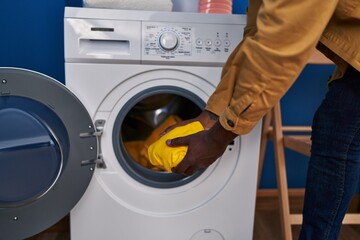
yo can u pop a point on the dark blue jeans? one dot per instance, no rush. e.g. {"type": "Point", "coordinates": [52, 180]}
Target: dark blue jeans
{"type": "Point", "coordinates": [334, 165]}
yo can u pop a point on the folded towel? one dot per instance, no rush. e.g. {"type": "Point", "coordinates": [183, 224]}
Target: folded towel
{"type": "Point", "coordinates": [149, 5]}
{"type": "Point", "coordinates": [167, 157]}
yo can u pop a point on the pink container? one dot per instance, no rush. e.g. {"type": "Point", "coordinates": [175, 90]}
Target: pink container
{"type": "Point", "coordinates": [215, 6]}
{"type": "Point", "coordinates": [216, 10]}
{"type": "Point", "coordinates": [216, 1]}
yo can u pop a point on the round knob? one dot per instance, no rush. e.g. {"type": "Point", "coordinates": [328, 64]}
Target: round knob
{"type": "Point", "coordinates": [168, 40]}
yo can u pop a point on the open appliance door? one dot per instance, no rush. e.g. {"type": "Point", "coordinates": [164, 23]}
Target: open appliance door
{"type": "Point", "coordinates": [48, 152]}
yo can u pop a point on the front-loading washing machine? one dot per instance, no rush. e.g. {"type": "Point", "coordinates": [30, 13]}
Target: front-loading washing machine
{"type": "Point", "coordinates": [129, 75]}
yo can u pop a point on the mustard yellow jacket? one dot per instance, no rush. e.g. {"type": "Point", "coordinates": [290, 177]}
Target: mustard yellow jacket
{"type": "Point", "coordinates": [279, 38]}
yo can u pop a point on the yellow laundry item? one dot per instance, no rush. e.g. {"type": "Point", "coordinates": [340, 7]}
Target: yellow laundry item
{"type": "Point", "coordinates": [138, 150]}
{"type": "Point", "coordinates": [167, 157]}
{"type": "Point", "coordinates": [154, 136]}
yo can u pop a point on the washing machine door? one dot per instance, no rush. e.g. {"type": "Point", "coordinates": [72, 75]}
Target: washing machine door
{"type": "Point", "coordinates": [48, 149]}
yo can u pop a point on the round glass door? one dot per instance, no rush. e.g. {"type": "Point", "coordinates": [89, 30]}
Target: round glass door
{"type": "Point", "coordinates": [48, 151]}
{"type": "Point", "coordinates": [140, 123]}
{"type": "Point", "coordinates": [31, 158]}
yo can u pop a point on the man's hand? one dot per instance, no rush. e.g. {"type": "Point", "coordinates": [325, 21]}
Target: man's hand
{"type": "Point", "coordinates": [206, 118]}
{"type": "Point", "coordinates": [203, 148]}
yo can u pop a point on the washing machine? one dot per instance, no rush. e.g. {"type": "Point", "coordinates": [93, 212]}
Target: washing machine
{"type": "Point", "coordinates": [81, 148]}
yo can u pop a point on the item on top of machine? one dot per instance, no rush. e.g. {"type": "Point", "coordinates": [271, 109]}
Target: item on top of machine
{"type": "Point", "coordinates": [148, 5]}
{"type": "Point", "coordinates": [185, 5]}
{"type": "Point", "coordinates": [167, 157]}
{"type": "Point", "coordinates": [215, 6]}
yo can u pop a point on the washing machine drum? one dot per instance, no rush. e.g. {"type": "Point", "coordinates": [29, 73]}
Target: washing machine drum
{"type": "Point", "coordinates": [47, 152]}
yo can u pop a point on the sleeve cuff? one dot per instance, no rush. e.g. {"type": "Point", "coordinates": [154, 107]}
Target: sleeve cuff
{"type": "Point", "coordinates": [231, 122]}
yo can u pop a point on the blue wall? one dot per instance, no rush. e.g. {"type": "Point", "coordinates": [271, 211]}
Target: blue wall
{"type": "Point", "coordinates": [32, 37]}
{"type": "Point", "coordinates": [298, 106]}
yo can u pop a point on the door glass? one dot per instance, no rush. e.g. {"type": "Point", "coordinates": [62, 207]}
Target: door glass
{"type": "Point", "coordinates": [31, 158]}
{"type": "Point", "coordinates": [139, 124]}
{"type": "Point", "coordinates": [148, 118]}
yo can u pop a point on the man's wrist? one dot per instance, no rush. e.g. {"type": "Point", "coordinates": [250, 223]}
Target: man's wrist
{"type": "Point", "coordinates": [223, 134]}
{"type": "Point", "coordinates": [208, 119]}
{"type": "Point", "coordinates": [212, 116]}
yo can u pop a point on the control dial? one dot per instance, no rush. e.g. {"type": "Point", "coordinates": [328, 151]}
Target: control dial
{"type": "Point", "coordinates": [168, 41]}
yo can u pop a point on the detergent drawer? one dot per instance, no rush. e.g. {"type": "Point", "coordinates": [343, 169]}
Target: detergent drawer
{"type": "Point", "coordinates": [103, 41]}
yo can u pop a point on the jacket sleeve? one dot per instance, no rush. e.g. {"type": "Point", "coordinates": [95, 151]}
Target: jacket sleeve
{"type": "Point", "coordinates": [266, 63]}
{"type": "Point", "coordinates": [220, 99]}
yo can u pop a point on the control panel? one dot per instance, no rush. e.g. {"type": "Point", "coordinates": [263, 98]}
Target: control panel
{"type": "Point", "coordinates": [167, 41]}
{"type": "Point", "coordinates": [196, 44]}
{"type": "Point", "coordinates": [141, 37]}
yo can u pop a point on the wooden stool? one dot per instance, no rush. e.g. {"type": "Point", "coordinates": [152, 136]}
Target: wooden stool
{"type": "Point", "coordinates": [296, 138]}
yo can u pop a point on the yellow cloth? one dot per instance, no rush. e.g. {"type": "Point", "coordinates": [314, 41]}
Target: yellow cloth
{"type": "Point", "coordinates": [154, 136]}
{"type": "Point", "coordinates": [167, 157]}
{"type": "Point", "coordinates": [138, 150]}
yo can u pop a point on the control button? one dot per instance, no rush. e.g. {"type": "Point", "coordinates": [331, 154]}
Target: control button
{"type": "Point", "coordinates": [227, 43]}
{"type": "Point", "coordinates": [208, 42]}
{"type": "Point", "coordinates": [230, 123]}
{"type": "Point", "coordinates": [217, 43]}
{"type": "Point", "coordinates": [168, 40]}
{"type": "Point", "coordinates": [199, 42]}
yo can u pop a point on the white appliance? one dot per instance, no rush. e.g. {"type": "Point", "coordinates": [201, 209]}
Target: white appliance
{"type": "Point", "coordinates": [126, 72]}
{"type": "Point", "coordinates": [115, 59]}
